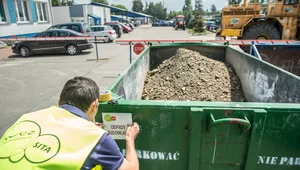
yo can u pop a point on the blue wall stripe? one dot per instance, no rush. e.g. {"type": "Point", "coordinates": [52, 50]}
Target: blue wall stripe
{"type": "Point", "coordinates": [33, 11]}
{"type": "Point", "coordinates": [11, 10]}
{"type": "Point", "coordinates": [29, 35]}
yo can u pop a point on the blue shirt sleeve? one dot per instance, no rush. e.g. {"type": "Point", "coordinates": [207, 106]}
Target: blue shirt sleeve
{"type": "Point", "coordinates": [106, 153]}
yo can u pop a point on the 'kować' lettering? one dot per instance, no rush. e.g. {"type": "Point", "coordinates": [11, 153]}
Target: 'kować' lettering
{"type": "Point", "coordinates": [151, 155]}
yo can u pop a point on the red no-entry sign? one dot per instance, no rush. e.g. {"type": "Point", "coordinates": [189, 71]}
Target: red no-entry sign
{"type": "Point", "coordinates": [138, 48]}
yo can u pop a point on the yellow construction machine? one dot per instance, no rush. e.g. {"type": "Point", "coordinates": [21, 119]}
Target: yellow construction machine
{"type": "Point", "coordinates": [246, 21]}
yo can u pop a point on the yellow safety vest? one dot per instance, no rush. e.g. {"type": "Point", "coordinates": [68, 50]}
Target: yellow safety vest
{"type": "Point", "coordinates": [50, 139]}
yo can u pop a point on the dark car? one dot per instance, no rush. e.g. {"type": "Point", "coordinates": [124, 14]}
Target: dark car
{"type": "Point", "coordinates": [59, 43]}
{"type": "Point", "coordinates": [125, 28]}
{"type": "Point", "coordinates": [212, 26]}
{"type": "Point", "coordinates": [83, 28]}
{"type": "Point", "coordinates": [131, 26]}
{"type": "Point", "coordinates": [117, 28]}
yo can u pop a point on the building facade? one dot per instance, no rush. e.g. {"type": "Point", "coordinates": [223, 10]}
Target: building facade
{"type": "Point", "coordinates": [24, 17]}
{"type": "Point", "coordinates": [94, 15]}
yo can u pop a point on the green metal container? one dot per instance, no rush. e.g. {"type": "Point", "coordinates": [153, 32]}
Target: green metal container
{"type": "Point", "coordinates": [262, 134]}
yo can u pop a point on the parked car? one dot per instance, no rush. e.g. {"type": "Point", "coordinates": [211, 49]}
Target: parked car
{"type": "Point", "coordinates": [83, 28]}
{"type": "Point", "coordinates": [212, 26]}
{"type": "Point", "coordinates": [156, 24]}
{"type": "Point", "coordinates": [137, 23]}
{"type": "Point", "coordinates": [72, 47]}
{"type": "Point", "coordinates": [131, 26]}
{"type": "Point", "coordinates": [125, 28]}
{"type": "Point", "coordinates": [104, 31]}
{"type": "Point", "coordinates": [118, 29]}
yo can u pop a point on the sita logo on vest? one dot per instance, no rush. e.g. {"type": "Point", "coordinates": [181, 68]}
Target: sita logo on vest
{"type": "Point", "coordinates": [26, 140]}
{"type": "Point", "coordinates": [42, 147]}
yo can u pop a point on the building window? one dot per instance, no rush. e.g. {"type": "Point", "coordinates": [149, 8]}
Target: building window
{"type": "Point", "coordinates": [21, 8]}
{"type": "Point", "coordinates": [2, 12]}
{"type": "Point", "coordinates": [41, 11]}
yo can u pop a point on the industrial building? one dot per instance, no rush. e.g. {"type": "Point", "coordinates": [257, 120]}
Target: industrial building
{"type": "Point", "coordinates": [92, 14]}
{"type": "Point", "coordinates": [24, 17]}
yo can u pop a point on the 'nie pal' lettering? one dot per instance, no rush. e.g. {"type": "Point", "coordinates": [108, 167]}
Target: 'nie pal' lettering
{"type": "Point", "coordinates": [269, 160]}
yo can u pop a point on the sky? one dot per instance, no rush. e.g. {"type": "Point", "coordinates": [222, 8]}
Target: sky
{"type": "Point", "coordinates": [170, 4]}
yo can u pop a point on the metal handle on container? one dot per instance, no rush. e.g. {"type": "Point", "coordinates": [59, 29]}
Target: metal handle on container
{"type": "Point", "coordinates": [243, 122]}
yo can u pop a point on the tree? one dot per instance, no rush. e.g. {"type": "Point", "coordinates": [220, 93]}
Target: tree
{"type": "Point", "coordinates": [67, 2]}
{"type": "Point", "coordinates": [187, 8]}
{"type": "Point", "coordinates": [146, 6]}
{"type": "Point", "coordinates": [173, 14]}
{"type": "Point", "coordinates": [198, 8]}
{"type": "Point", "coordinates": [62, 2]}
{"type": "Point", "coordinates": [137, 6]}
{"type": "Point", "coordinates": [156, 10]}
{"type": "Point", "coordinates": [55, 2]}
{"type": "Point", "coordinates": [101, 1]}
{"type": "Point", "coordinates": [213, 9]}
{"type": "Point", "coordinates": [119, 6]}
{"type": "Point", "coordinates": [199, 25]}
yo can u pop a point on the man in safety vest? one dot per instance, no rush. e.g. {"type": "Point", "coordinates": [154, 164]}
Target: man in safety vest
{"type": "Point", "coordinates": [65, 137]}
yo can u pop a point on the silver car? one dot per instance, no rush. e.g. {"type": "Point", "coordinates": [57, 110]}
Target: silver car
{"type": "Point", "coordinates": [104, 31]}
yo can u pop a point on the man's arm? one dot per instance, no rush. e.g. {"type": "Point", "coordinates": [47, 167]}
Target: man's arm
{"type": "Point", "coordinates": [131, 162]}
{"type": "Point", "coordinates": [107, 153]}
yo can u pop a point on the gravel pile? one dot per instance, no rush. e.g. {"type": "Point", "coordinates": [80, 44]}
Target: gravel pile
{"type": "Point", "coordinates": [190, 76]}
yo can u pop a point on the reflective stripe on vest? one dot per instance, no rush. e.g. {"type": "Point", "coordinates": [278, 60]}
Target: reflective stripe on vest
{"type": "Point", "coordinates": [48, 139]}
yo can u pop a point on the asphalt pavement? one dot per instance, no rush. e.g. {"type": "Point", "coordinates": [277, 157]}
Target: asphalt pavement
{"type": "Point", "coordinates": [33, 83]}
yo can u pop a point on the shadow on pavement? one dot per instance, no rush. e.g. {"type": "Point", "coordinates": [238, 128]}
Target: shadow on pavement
{"type": "Point", "coordinates": [51, 55]}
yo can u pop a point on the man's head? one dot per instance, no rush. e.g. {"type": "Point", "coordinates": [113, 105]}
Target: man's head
{"type": "Point", "coordinates": [81, 92]}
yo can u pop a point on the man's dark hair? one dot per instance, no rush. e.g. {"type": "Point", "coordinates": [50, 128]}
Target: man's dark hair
{"type": "Point", "coordinates": [79, 92]}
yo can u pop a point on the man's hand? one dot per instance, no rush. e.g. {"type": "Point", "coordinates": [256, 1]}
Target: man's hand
{"type": "Point", "coordinates": [132, 132]}
{"type": "Point", "coordinates": [131, 162]}
{"type": "Point", "coordinates": [101, 125]}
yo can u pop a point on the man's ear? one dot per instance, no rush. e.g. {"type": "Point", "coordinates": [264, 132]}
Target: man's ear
{"type": "Point", "coordinates": [95, 105]}
{"type": "Point", "coordinates": [59, 103]}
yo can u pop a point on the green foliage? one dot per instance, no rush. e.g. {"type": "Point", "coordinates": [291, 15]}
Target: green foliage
{"type": "Point", "coordinates": [101, 1]}
{"type": "Point", "coordinates": [119, 6]}
{"type": "Point", "coordinates": [55, 2]}
{"type": "Point", "coordinates": [62, 2]}
{"type": "Point", "coordinates": [173, 14]}
{"type": "Point", "coordinates": [192, 23]}
{"type": "Point", "coordinates": [188, 17]}
{"type": "Point", "coordinates": [213, 9]}
{"type": "Point", "coordinates": [156, 10]}
{"type": "Point", "coordinates": [199, 25]}
{"type": "Point", "coordinates": [137, 6]}
{"type": "Point", "coordinates": [187, 8]}
{"type": "Point", "coordinates": [198, 8]}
